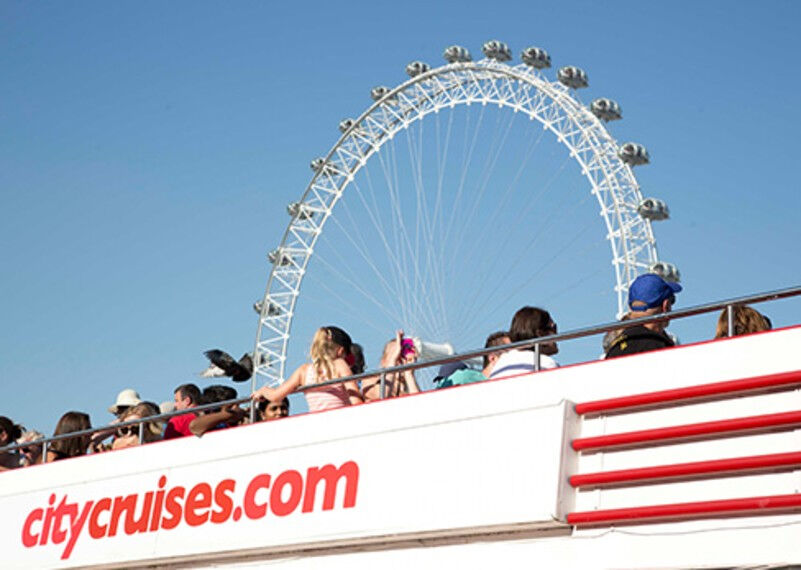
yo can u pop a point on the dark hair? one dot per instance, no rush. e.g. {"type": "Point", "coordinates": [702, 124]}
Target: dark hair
{"type": "Point", "coordinates": [73, 447]}
{"type": "Point", "coordinates": [495, 339]}
{"type": "Point", "coordinates": [218, 393]}
{"type": "Point", "coordinates": [340, 337]}
{"type": "Point", "coordinates": [358, 358]}
{"type": "Point", "coordinates": [189, 391]}
{"type": "Point", "coordinates": [13, 431]}
{"type": "Point", "coordinates": [261, 406]}
{"type": "Point", "coordinates": [529, 322]}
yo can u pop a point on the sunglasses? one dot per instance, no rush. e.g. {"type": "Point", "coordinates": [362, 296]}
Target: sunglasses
{"type": "Point", "coordinates": [128, 430]}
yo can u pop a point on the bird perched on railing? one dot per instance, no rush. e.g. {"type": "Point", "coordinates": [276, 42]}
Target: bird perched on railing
{"type": "Point", "coordinates": [223, 365]}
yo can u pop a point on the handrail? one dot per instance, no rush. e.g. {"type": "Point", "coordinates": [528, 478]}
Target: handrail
{"type": "Point", "coordinates": [381, 372]}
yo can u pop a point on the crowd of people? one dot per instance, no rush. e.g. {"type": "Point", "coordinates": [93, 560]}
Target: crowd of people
{"type": "Point", "coordinates": [334, 355]}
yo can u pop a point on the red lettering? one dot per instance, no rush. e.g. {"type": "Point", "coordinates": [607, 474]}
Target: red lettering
{"type": "Point", "coordinates": [134, 525]}
{"type": "Point", "coordinates": [127, 505]}
{"type": "Point", "coordinates": [223, 500]}
{"type": "Point", "coordinates": [253, 510]}
{"type": "Point", "coordinates": [278, 505]}
{"type": "Point", "coordinates": [199, 497]}
{"type": "Point", "coordinates": [96, 530]}
{"type": "Point", "coordinates": [63, 509]}
{"type": "Point", "coordinates": [154, 521]}
{"type": "Point", "coordinates": [173, 508]}
{"type": "Point", "coordinates": [76, 527]}
{"type": "Point", "coordinates": [201, 504]}
{"type": "Point", "coordinates": [28, 538]}
{"type": "Point", "coordinates": [331, 475]}
{"type": "Point", "coordinates": [48, 520]}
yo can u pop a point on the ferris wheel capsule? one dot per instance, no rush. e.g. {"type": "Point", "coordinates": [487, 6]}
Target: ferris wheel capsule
{"type": "Point", "coordinates": [666, 271]}
{"type": "Point", "coordinates": [457, 54]}
{"type": "Point", "coordinates": [633, 154]}
{"type": "Point", "coordinates": [378, 93]}
{"type": "Point", "coordinates": [496, 50]}
{"type": "Point", "coordinates": [536, 57]}
{"type": "Point", "coordinates": [653, 209]}
{"type": "Point", "coordinates": [572, 76]}
{"type": "Point", "coordinates": [319, 165]}
{"type": "Point", "coordinates": [346, 124]}
{"type": "Point", "coordinates": [277, 257]}
{"type": "Point", "coordinates": [606, 109]}
{"type": "Point", "coordinates": [416, 68]}
{"type": "Point", "coordinates": [299, 211]}
{"type": "Point", "coordinates": [273, 310]}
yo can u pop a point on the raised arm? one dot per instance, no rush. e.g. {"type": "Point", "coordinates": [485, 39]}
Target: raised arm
{"type": "Point", "coordinates": [229, 414]}
{"type": "Point", "coordinates": [341, 369]}
{"type": "Point", "coordinates": [289, 386]}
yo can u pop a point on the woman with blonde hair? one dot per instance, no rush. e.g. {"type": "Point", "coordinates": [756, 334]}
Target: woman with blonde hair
{"type": "Point", "coordinates": [329, 353]}
{"type": "Point", "coordinates": [746, 321]}
{"type": "Point", "coordinates": [128, 436]}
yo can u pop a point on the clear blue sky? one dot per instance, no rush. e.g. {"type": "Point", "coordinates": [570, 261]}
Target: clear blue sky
{"type": "Point", "coordinates": [148, 150]}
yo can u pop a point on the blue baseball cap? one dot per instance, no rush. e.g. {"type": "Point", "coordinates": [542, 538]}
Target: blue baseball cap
{"type": "Point", "coordinates": [651, 289]}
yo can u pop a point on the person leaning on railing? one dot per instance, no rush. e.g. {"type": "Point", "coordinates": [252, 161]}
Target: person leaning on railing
{"type": "Point", "coordinates": [217, 418]}
{"type": "Point", "coordinates": [128, 436]}
{"type": "Point", "coordinates": [330, 348]}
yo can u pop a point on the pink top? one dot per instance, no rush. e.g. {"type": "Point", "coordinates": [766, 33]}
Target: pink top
{"type": "Point", "coordinates": [325, 398]}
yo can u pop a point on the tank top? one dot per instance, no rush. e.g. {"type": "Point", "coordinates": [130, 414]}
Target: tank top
{"type": "Point", "coordinates": [325, 397]}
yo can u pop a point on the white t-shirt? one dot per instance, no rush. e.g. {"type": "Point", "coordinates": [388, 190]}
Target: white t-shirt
{"type": "Point", "coordinates": [516, 362]}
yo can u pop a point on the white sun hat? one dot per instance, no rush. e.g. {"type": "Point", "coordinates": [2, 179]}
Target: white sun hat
{"type": "Point", "coordinates": [127, 398]}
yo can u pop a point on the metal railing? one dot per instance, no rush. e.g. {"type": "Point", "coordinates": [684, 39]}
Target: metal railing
{"type": "Point", "coordinates": [728, 304]}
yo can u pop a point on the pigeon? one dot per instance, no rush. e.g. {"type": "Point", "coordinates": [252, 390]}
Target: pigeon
{"type": "Point", "coordinates": [223, 365]}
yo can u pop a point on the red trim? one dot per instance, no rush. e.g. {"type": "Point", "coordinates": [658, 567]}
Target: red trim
{"type": "Point", "coordinates": [751, 506]}
{"type": "Point", "coordinates": [692, 394]}
{"type": "Point", "coordinates": [684, 471]}
{"type": "Point", "coordinates": [690, 432]}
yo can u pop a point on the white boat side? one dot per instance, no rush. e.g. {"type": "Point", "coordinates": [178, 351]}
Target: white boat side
{"type": "Point", "coordinates": [545, 469]}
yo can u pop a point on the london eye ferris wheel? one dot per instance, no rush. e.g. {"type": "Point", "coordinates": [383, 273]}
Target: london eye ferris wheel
{"type": "Point", "coordinates": [442, 203]}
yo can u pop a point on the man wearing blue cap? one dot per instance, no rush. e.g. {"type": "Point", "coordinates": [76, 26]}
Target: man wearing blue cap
{"type": "Point", "coordinates": [649, 295]}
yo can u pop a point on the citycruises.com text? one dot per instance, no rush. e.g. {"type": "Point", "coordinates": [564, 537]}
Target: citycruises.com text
{"type": "Point", "coordinates": [64, 522]}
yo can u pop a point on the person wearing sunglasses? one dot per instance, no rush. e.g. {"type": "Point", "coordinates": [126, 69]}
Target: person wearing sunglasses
{"type": "Point", "coordinates": [31, 454]}
{"type": "Point", "coordinates": [528, 323]}
{"type": "Point", "coordinates": [128, 436]}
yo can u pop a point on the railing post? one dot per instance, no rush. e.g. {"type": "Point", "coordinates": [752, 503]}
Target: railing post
{"type": "Point", "coordinates": [537, 357]}
{"type": "Point", "coordinates": [44, 452]}
{"type": "Point", "coordinates": [730, 319]}
{"type": "Point", "coordinates": [252, 412]}
{"type": "Point", "coordinates": [382, 387]}
{"type": "Point", "coordinates": [141, 432]}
